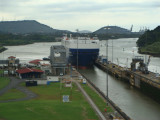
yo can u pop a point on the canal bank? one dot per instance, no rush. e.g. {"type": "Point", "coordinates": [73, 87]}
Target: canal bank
{"type": "Point", "coordinates": [129, 99]}
{"type": "Point", "coordinates": [133, 102]}
{"type": "Point", "coordinates": [147, 83]}
{"type": "Point", "coordinates": [108, 101]}
{"type": "Point", "coordinates": [2, 49]}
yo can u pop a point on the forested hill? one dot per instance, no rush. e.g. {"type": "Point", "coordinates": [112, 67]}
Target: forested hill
{"type": "Point", "coordinates": [149, 42]}
{"type": "Point", "coordinates": [26, 26]}
{"type": "Point", "coordinates": [112, 30]}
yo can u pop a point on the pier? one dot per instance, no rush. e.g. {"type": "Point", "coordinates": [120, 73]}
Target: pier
{"type": "Point", "coordinates": [148, 82]}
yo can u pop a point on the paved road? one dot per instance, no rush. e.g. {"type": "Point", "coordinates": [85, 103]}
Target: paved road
{"type": "Point", "coordinates": [14, 83]}
{"type": "Point", "coordinates": [90, 101]}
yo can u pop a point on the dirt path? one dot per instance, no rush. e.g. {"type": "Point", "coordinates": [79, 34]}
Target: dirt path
{"type": "Point", "coordinates": [14, 83]}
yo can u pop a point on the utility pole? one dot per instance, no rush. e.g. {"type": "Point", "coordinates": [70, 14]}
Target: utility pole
{"type": "Point", "coordinates": [107, 71]}
{"type": "Point", "coordinates": [112, 50]}
{"type": "Point", "coordinates": [77, 50]}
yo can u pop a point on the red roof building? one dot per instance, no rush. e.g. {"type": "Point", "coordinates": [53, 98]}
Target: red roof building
{"type": "Point", "coordinates": [29, 73]}
{"type": "Point", "coordinates": [36, 62]}
{"type": "Point", "coordinates": [11, 57]}
{"type": "Point", "coordinates": [28, 70]}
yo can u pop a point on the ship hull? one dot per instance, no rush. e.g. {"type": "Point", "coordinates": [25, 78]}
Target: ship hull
{"type": "Point", "coordinates": [86, 57]}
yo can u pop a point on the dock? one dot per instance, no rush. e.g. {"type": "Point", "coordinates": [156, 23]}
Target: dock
{"type": "Point", "coordinates": [149, 82]}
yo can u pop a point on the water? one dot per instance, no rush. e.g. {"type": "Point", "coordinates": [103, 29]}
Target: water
{"type": "Point", "coordinates": [29, 52]}
{"type": "Point", "coordinates": [124, 49]}
{"type": "Point", "coordinates": [130, 100]}
{"type": "Point", "coordinates": [135, 104]}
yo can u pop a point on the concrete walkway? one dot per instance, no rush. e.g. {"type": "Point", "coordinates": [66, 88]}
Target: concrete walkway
{"type": "Point", "coordinates": [14, 83]}
{"type": "Point", "coordinates": [90, 101]}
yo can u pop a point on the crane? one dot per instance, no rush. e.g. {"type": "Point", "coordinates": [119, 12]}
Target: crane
{"type": "Point", "coordinates": [131, 28]}
{"type": "Point", "coordinates": [146, 66]}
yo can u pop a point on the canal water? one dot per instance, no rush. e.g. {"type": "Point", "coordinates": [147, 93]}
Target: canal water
{"type": "Point", "coordinates": [135, 104]}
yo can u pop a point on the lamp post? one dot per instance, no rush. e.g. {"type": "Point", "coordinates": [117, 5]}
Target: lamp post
{"type": "Point", "coordinates": [77, 49]}
{"type": "Point", "coordinates": [112, 50]}
{"type": "Point", "coordinates": [77, 54]}
{"type": "Point", "coordinates": [107, 71]}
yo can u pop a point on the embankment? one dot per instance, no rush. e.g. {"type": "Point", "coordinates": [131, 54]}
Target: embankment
{"type": "Point", "coordinates": [2, 49]}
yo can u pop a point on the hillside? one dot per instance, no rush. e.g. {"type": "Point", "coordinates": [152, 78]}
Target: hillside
{"type": "Point", "coordinates": [26, 26]}
{"type": "Point", "coordinates": [84, 31]}
{"type": "Point", "coordinates": [112, 30]}
{"type": "Point", "coordinates": [149, 42]}
{"type": "Point", "coordinates": [30, 31]}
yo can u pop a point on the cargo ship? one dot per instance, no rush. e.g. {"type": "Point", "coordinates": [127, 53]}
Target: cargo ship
{"type": "Point", "coordinates": [81, 51]}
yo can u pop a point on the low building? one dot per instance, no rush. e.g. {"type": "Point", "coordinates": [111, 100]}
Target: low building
{"type": "Point", "coordinates": [11, 64]}
{"type": "Point", "coordinates": [35, 62]}
{"type": "Point", "coordinates": [29, 73]}
{"type": "Point", "coordinates": [45, 66]}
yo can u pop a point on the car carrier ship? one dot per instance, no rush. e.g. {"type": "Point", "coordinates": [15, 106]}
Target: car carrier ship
{"type": "Point", "coordinates": [81, 51]}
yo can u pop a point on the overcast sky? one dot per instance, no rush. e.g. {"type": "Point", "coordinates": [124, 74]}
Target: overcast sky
{"type": "Point", "coordinates": [84, 14]}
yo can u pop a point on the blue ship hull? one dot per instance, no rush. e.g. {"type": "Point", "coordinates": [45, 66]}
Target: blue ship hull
{"type": "Point", "coordinates": [86, 57]}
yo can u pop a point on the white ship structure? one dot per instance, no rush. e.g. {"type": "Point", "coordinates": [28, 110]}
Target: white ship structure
{"type": "Point", "coordinates": [81, 51]}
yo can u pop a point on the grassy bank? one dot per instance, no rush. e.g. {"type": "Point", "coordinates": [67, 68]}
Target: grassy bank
{"type": "Point", "coordinates": [4, 81]}
{"type": "Point", "coordinates": [97, 99]}
{"type": "Point", "coordinates": [151, 49]}
{"type": "Point", "coordinates": [49, 106]}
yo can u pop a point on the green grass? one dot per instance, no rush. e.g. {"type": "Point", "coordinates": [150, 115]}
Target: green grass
{"type": "Point", "coordinates": [1, 71]}
{"type": "Point", "coordinates": [12, 94]}
{"type": "Point", "coordinates": [4, 81]}
{"type": "Point", "coordinates": [96, 98]}
{"type": "Point", "coordinates": [49, 106]}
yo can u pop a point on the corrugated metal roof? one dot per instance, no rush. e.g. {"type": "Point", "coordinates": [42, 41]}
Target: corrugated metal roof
{"type": "Point", "coordinates": [28, 70]}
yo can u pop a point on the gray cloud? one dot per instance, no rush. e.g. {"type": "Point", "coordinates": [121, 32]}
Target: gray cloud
{"type": "Point", "coordinates": [75, 7]}
{"type": "Point", "coordinates": [76, 10]}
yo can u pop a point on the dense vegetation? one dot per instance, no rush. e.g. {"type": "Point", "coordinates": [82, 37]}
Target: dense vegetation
{"type": "Point", "coordinates": [30, 31]}
{"type": "Point", "coordinates": [22, 39]}
{"type": "Point", "coordinates": [149, 42]}
{"type": "Point", "coordinates": [7, 39]}
{"type": "Point", "coordinates": [116, 36]}
{"type": "Point", "coordinates": [27, 26]}
{"type": "Point", "coordinates": [112, 30]}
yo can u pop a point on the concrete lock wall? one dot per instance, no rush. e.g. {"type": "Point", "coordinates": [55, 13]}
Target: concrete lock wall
{"type": "Point", "coordinates": [137, 81]}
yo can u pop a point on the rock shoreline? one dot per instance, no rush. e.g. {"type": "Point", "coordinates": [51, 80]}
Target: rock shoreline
{"type": "Point", "coordinates": [3, 49]}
